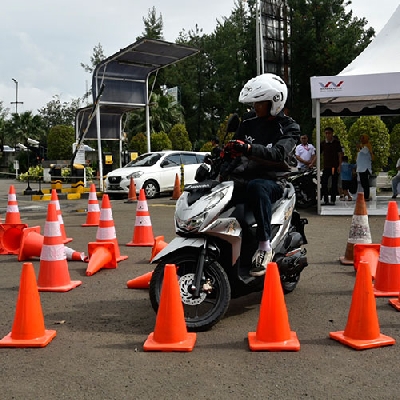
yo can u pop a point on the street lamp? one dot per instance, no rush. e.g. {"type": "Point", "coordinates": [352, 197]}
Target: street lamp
{"type": "Point", "coordinates": [16, 102]}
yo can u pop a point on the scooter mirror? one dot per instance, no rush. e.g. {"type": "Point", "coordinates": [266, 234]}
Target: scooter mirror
{"type": "Point", "coordinates": [233, 123]}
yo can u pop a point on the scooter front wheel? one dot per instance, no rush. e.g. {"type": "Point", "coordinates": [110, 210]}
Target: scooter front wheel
{"type": "Point", "coordinates": [201, 312]}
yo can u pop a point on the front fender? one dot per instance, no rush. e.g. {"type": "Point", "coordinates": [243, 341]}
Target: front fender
{"type": "Point", "coordinates": [177, 244]}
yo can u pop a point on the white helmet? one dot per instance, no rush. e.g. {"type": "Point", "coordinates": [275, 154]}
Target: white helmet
{"type": "Point", "coordinates": [265, 87]}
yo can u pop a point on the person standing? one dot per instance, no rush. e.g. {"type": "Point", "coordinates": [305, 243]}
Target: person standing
{"type": "Point", "coordinates": [332, 151]}
{"type": "Point", "coordinates": [396, 180]}
{"type": "Point", "coordinates": [305, 154]}
{"type": "Point", "coordinates": [346, 174]}
{"type": "Point", "coordinates": [364, 164]}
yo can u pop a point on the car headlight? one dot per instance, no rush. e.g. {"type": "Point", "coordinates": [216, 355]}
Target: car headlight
{"type": "Point", "coordinates": [135, 175]}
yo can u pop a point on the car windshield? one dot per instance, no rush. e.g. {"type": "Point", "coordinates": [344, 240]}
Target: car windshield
{"type": "Point", "coordinates": [144, 160]}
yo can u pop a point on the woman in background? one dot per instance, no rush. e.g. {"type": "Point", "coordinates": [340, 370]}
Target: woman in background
{"type": "Point", "coordinates": [364, 164]}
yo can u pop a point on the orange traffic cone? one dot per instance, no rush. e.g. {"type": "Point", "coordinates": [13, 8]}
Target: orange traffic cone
{"type": "Point", "coordinates": [143, 232]}
{"type": "Point", "coordinates": [101, 255]}
{"type": "Point", "coordinates": [170, 332]}
{"type": "Point", "coordinates": [53, 272]}
{"type": "Point", "coordinates": [359, 230]}
{"type": "Point", "coordinates": [106, 230]}
{"type": "Point", "coordinates": [387, 277]}
{"type": "Point", "coordinates": [141, 282]}
{"type": "Point", "coordinates": [132, 192]}
{"type": "Point", "coordinates": [54, 200]}
{"type": "Point", "coordinates": [273, 329]}
{"type": "Point", "coordinates": [28, 329]}
{"type": "Point", "coordinates": [367, 252]}
{"type": "Point", "coordinates": [10, 237]}
{"type": "Point", "coordinates": [73, 255]}
{"type": "Point", "coordinates": [177, 189]}
{"type": "Point", "coordinates": [158, 245]}
{"type": "Point", "coordinates": [31, 243]}
{"type": "Point", "coordinates": [12, 213]}
{"type": "Point", "coordinates": [93, 213]}
{"type": "Point", "coordinates": [362, 329]}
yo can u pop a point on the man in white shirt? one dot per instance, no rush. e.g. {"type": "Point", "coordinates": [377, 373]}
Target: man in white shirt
{"type": "Point", "coordinates": [305, 153]}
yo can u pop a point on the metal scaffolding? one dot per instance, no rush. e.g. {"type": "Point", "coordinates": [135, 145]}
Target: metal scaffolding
{"type": "Point", "coordinates": [274, 32]}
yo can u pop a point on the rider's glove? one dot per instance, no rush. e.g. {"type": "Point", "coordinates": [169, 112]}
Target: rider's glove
{"type": "Point", "coordinates": [237, 148]}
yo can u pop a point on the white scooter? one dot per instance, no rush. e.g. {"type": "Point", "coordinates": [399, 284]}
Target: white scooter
{"type": "Point", "coordinates": [214, 247]}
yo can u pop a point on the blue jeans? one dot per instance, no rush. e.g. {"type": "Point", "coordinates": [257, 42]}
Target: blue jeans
{"type": "Point", "coordinates": [259, 195]}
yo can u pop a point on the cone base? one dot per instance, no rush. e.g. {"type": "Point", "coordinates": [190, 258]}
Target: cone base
{"type": "Point", "coordinates": [360, 344]}
{"type": "Point", "coordinates": [186, 345]}
{"type": "Point", "coordinates": [94, 224]}
{"type": "Point", "coordinates": [141, 282]}
{"type": "Point", "coordinates": [381, 293]}
{"type": "Point", "coordinates": [67, 240]}
{"type": "Point", "coordinates": [343, 260]}
{"type": "Point", "coordinates": [64, 288]}
{"type": "Point", "coordinates": [131, 201]}
{"type": "Point", "coordinates": [41, 341]}
{"type": "Point", "coordinates": [395, 303]}
{"type": "Point", "coordinates": [144, 244]}
{"type": "Point", "coordinates": [291, 344]}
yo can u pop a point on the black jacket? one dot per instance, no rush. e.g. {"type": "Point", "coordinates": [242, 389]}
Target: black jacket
{"type": "Point", "coordinates": [273, 142]}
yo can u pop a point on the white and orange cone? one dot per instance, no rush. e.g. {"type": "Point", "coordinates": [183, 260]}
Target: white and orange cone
{"type": "Point", "coordinates": [54, 200]}
{"type": "Point", "coordinates": [12, 213]}
{"type": "Point", "coordinates": [93, 213]}
{"type": "Point", "coordinates": [143, 232]}
{"type": "Point", "coordinates": [106, 231]}
{"type": "Point", "coordinates": [53, 272]}
{"type": "Point", "coordinates": [359, 230]}
{"type": "Point", "coordinates": [387, 276]}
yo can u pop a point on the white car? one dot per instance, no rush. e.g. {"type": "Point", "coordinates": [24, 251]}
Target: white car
{"type": "Point", "coordinates": [154, 172]}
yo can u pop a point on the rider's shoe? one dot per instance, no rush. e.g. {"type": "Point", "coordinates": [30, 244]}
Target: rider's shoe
{"type": "Point", "coordinates": [260, 261]}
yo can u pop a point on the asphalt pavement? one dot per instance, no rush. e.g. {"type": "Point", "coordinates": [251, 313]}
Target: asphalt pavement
{"type": "Point", "coordinates": [102, 325]}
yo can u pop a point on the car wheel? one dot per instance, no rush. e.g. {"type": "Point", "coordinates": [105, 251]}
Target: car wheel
{"type": "Point", "coordinates": [151, 189]}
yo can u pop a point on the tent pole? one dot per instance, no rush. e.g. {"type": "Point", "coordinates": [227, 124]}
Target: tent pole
{"type": "Point", "coordinates": [318, 148]}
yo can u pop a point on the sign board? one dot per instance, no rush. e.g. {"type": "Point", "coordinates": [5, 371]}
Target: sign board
{"type": "Point", "coordinates": [80, 154]}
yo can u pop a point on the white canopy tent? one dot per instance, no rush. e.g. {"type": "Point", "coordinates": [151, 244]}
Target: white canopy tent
{"type": "Point", "coordinates": [369, 85]}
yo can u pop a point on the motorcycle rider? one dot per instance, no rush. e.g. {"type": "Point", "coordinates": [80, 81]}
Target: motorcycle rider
{"type": "Point", "coordinates": [264, 148]}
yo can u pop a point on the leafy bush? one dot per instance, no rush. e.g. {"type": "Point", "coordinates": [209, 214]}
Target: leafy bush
{"type": "Point", "coordinates": [59, 142]}
{"type": "Point", "coordinates": [180, 138]}
{"type": "Point", "coordinates": [34, 173]}
{"type": "Point", "coordinates": [160, 141]}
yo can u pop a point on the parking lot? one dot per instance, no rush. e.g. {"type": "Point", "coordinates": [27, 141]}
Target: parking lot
{"type": "Point", "coordinates": [101, 325]}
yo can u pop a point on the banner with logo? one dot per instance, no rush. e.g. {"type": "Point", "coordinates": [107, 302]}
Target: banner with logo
{"type": "Point", "coordinates": [354, 85]}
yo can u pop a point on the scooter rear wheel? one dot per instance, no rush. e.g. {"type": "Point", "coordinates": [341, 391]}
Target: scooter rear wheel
{"type": "Point", "coordinates": [205, 311]}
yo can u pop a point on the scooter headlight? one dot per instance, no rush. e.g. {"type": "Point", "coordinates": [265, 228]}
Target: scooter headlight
{"type": "Point", "coordinates": [196, 221]}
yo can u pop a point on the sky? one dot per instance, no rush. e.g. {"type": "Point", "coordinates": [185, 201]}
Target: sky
{"type": "Point", "coordinates": [43, 42]}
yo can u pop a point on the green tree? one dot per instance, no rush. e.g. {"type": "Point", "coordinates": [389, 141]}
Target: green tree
{"type": "Point", "coordinates": [153, 25]}
{"type": "Point", "coordinates": [138, 143]}
{"type": "Point", "coordinates": [179, 138]}
{"type": "Point", "coordinates": [164, 114]}
{"type": "Point", "coordinates": [394, 153]}
{"type": "Point", "coordinates": [23, 126]}
{"type": "Point", "coordinates": [59, 142]}
{"type": "Point", "coordinates": [57, 113]}
{"type": "Point", "coordinates": [378, 137]}
{"type": "Point", "coordinates": [95, 59]}
{"type": "Point", "coordinates": [3, 117]}
{"type": "Point", "coordinates": [324, 40]}
{"type": "Point", "coordinates": [160, 141]}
